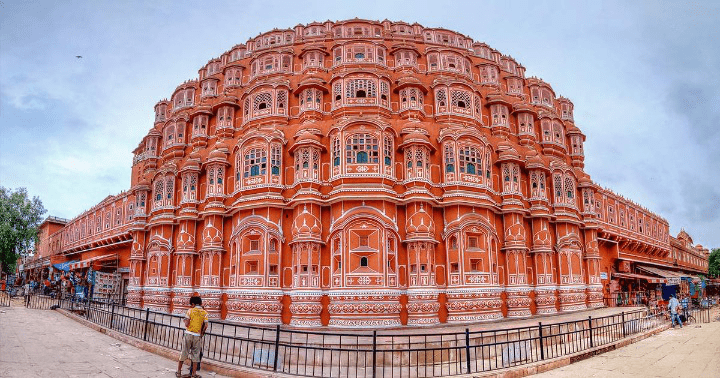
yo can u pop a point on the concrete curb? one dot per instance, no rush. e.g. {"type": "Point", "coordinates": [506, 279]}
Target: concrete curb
{"type": "Point", "coordinates": [238, 371]}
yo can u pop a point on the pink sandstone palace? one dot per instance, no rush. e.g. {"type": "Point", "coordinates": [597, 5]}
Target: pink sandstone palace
{"type": "Point", "coordinates": [367, 174]}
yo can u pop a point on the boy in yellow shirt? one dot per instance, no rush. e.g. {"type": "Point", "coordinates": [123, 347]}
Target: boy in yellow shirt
{"type": "Point", "coordinates": [196, 323]}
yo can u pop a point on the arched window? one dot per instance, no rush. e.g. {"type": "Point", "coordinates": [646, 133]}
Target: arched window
{"type": "Point", "coordinates": [558, 133]}
{"type": "Point", "coordinates": [525, 122]}
{"type": "Point", "coordinates": [441, 98]}
{"type": "Point", "coordinates": [411, 98]}
{"type": "Point", "coordinates": [158, 195]}
{"type": "Point", "coordinates": [336, 152]}
{"type": "Point", "coordinates": [470, 160]}
{"type": "Point", "coordinates": [225, 117]}
{"type": "Point", "coordinates": [460, 99]}
{"type": "Point", "coordinates": [418, 164]}
{"type": "Point", "coordinates": [388, 150]}
{"type": "Point", "coordinates": [311, 99]}
{"type": "Point", "coordinates": [170, 135]}
{"type": "Point", "coordinates": [307, 162]}
{"type": "Point", "coordinates": [275, 160]}
{"type": "Point", "coordinates": [200, 123]}
{"type": "Point", "coordinates": [261, 103]}
{"type": "Point", "coordinates": [233, 77]}
{"type": "Point", "coordinates": [362, 148]}
{"type": "Point", "coordinates": [499, 114]}
{"type": "Point", "coordinates": [449, 153]}
{"type": "Point", "coordinates": [169, 190]}
{"type": "Point", "coordinates": [255, 162]}
{"type": "Point", "coordinates": [360, 88]}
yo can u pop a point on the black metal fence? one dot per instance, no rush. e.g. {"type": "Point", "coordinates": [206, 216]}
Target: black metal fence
{"type": "Point", "coordinates": [369, 354]}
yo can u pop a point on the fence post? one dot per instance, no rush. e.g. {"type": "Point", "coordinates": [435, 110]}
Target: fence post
{"type": "Point", "coordinates": [374, 352]}
{"type": "Point", "coordinates": [277, 347]}
{"type": "Point", "coordinates": [542, 343]}
{"type": "Point", "coordinates": [623, 323]}
{"type": "Point", "coordinates": [112, 316]}
{"type": "Point", "coordinates": [467, 349]}
{"type": "Point", "coordinates": [147, 317]}
{"type": "Point", "coordinates": [591, 337]}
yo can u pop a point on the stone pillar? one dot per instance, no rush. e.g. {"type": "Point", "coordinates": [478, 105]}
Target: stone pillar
{"type": "Point", "coordinates": [422, 305]}
{"type": "Point", "coordinates": [211, 265]}
{"type": "Point", "coordinates": [137, 259]}
{"type": "Point", "coordinates": [517, 289]}
{"type": "Point", "coordinates": [422, 293]}
{"type": "Point", "coordinates": [544, 263]}
{"type": "Point", "coordinates": [306, 293]}
{"type": "Point", "coordinates": [571, 292]}
{"type": "Point", "coordinates": [592, 269]}
{"type": "Point", "coordinates": [184, 261]}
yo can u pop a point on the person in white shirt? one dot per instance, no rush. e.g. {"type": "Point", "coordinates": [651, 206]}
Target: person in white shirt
{"type": "Point", "coordinates": [673, 307]}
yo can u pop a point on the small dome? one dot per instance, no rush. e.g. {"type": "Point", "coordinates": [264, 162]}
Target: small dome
{"type": "Point", "coordinates": [307, 138]}
{"type": "Point", "coordinates": [217, 154]}
{"type": "Point", "coordinates": [420, 224]}
{"type": "Point", "coordinates": [534, 160]}
{"type": "Point", "coordinates": [507, 152]}
{"type": "Point", "coordinates": [415, 137]}
{"type": "Point", "coordinates": [191, 164]}
{"type": "Point", "coordinates": [306, 226]}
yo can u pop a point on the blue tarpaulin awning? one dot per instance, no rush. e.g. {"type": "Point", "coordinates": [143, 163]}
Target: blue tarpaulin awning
{"type": "Point", "coordinates": [65, 267]}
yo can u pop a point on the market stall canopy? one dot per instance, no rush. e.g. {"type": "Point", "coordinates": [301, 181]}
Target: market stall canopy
{"type": "Point", "coordinates": [65, 267]}
{"type": "Point", "coordinates": [649, 279]}
{"type": "Point", "coordinates": [88, 262]}
{"type": "Point", "coordinates": [673, 278]}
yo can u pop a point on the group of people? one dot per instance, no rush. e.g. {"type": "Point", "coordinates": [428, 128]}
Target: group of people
{"type": "Point", "coordinates": [66, 285]}
{"type": "Point", "coordinates": [675, 305]}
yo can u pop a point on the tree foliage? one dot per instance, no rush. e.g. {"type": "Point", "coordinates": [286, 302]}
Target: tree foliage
{"type": "Point", "coordinates": [714, 263]}
{"type": "Point", "coordinates": [20, 217]}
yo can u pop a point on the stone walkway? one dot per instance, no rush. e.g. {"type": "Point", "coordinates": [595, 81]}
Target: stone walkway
{"type": "Point", "coordinates": [43, 343]}
{"type": "Point", "coordinates": [691, 351]}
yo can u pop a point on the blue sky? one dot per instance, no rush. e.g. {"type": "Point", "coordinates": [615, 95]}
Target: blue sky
{"type": "Point", "coordinates": [644, 78]}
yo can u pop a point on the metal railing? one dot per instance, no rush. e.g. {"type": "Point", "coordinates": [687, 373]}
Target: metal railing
{"type": "Point", "coordinates": [370, 354]}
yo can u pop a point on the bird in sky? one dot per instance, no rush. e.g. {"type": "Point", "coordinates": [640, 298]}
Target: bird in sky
{"type": "Point", "coordinates": [78, 56]}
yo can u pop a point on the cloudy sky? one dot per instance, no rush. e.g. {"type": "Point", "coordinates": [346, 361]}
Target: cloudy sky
{"type": "Point", "coordinates": [644, 77]}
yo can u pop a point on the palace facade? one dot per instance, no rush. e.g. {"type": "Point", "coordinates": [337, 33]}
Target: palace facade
{"type": "Point", "coordinates": [367, 174]}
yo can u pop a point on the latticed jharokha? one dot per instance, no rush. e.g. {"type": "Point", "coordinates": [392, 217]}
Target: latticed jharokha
{"type": "Point", "coordinates": [367, 174]}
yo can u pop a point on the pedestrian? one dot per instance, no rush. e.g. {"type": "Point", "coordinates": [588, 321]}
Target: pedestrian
{"type": "Point", "coordinates": [196, 323]}
{"type": "Point", "coordinates": [673, 306]}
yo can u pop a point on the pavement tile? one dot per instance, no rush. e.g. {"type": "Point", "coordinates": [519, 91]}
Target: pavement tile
{"type": "Point", "coordinates": [43, 343]}
{"type": "Point", "coordinates": [676, 353]}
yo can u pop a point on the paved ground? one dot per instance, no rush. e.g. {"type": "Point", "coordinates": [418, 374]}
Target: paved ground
{"type": "Point", "coordinates": [691, 351]}
{"type": "Point", "coordinates": [43, 343]}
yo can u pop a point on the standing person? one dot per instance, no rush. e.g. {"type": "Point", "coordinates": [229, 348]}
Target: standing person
{"type": "Point", "coordinates": [674, 305]}
{"type": "Point", "coordinates": [196, 323]}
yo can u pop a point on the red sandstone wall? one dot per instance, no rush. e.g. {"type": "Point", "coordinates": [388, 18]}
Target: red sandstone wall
{"type": "Point", "coordinates": [365, 243]}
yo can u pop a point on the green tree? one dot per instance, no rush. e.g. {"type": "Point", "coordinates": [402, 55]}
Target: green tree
{"type": "Point", "coordinates": [20, 217]}
{"type": "Point", "coordinates": [714, 263]}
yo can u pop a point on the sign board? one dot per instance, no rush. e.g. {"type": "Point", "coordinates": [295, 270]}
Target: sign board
{"type": "Point", "coordinates": [603, 275]}
{"type": "Point", "coordinates": [124, 270]}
